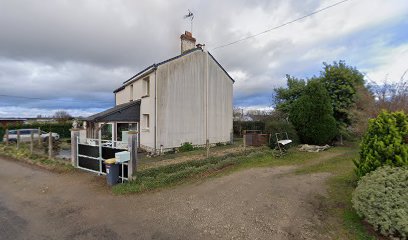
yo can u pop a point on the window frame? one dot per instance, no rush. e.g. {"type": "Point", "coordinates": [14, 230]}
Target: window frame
{"type": "Point", "coordinates": [146, 121]}
{"type": "Point", "coordinates": [131, 93]}
{"type": "Point", "coordinates": [146, 86]}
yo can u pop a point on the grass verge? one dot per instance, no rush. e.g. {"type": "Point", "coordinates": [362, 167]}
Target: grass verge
{"type": "Point", "coordinates": [23, 154]}
{"type": "Point", "coordinates": [170, 175]}
{"type": "Point", "coordinates": [342, 220]}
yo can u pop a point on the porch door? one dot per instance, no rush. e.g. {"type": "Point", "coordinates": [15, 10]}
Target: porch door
{"type": "Point", "coordinates": [107, 132]}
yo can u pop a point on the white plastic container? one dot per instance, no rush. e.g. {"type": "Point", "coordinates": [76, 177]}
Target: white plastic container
{"type": "Point", "coordinates": [122, 156]}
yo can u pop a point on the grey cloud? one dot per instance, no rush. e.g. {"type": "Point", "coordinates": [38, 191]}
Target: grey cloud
{"type": "Point", "coordinates": [83, 49]}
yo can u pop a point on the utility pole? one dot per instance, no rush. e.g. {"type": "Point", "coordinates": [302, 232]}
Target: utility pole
{"type": "Point", "coordinates": [207, 140]}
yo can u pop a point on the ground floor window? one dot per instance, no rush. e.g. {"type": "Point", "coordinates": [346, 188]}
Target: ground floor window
{"type": "Point", "coordinates": [122, 130]}
{"type": "Point", "coordinates": [146, 121]}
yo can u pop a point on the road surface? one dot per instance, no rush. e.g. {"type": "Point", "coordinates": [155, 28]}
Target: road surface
{"type": "Point", "coordinates": [260, 203]}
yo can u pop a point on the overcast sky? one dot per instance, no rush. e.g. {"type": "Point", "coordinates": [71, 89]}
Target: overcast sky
{"type": "Point", "coordinates": [70, 55]}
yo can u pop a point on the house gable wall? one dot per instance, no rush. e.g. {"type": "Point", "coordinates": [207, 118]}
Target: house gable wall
{"type": "Point", "coordinates": [182, 103]}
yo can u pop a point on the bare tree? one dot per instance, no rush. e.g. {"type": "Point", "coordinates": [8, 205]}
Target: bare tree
{"type": "Point", "coordinates": [391, 96]}
{"type": "Point", "coordinates": [62, 116]}
{"type": "Point", "coordinates": [238, 113]}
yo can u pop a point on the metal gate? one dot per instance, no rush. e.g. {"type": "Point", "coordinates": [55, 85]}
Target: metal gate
{"type": "Point", "coordinates": [92, 154]}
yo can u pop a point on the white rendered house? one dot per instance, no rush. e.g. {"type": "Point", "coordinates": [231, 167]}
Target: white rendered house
{"type": "Point", "coordinates": [187, 98]}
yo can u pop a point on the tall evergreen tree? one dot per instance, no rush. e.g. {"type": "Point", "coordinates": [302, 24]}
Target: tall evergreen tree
{"type": "Point", "coordinates": [312, 115]}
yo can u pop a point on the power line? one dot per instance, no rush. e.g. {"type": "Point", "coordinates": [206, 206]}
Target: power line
{"type": "Point", "coordinates": [282, 25]}
{"type": "Point", "coordinates": [48, 99]}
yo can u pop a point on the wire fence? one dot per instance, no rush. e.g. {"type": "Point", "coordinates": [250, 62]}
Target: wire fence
{"type": "Point", "coordinates": [38, 142]}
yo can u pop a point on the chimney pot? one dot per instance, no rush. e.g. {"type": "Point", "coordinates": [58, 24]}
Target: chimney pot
{"type": "Point", "coordinates": [187, 41]}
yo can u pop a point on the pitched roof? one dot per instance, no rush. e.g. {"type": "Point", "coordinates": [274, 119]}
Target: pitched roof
{"type": "Point", "coordinates": [220, 66]}
{"type": "Point", "coordinates": [155, 65]}
{"type": "Point", "coordinates": [124, 112]}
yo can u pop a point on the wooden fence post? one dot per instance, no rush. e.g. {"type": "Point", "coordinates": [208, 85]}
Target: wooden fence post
{"type": "Point", "coordinates": [207, 145]}
{"type": "Point", "coordinates": [50, 145]}
{"type": "Point", "coordinates": [32, 142]}
{"type": "Point", "coordinates": [7, 136]}
{"type": "Point", "coordinates": [132, 148]}
{"type": "Point", "coordinates": [244, 140]}
{"type": "Point", "coordinates": [18, 139]}
{"type": "Point", "coordinates": [74, 146]}
{"type": "Point", "coordinates": [39, 137]}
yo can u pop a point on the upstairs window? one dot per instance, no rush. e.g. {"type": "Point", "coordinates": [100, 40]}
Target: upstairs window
{"type": "Point", "coordinates": [146, 86]}
{"type": "Point", "coordinates": [131, 93]}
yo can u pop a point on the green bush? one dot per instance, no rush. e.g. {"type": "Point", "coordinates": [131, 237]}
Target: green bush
{"type": "Point", "coordinates": [273, 127]}
{"type": "Point", "coordinates": [384, 143]}
{"type": "Point", "coordinates": [381, 197]}
{"type": "Point", "coordinates": [186, 147]}
{"type": "Point", "coordinates": [312, 115]}
{"type": "Point", "coordinates": [2, 132]}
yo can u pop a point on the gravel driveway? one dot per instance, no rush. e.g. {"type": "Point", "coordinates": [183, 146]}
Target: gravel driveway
{"type": "Point", "coordinates": [260, 203]}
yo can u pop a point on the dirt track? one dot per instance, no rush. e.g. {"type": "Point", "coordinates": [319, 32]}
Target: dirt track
{"type": "Point", "coordinates": [264, 203]}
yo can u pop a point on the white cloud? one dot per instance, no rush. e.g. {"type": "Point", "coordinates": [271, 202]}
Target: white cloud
{"type": "Point", "coordinates": [390, 63]}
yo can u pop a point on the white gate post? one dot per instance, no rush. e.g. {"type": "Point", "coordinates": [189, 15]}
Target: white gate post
{"type": "Point", "coordinates": [132, 148]}
{"type": "Point", "coordinates": [74, 146]}
{"type": "Point", "coordinates": [100, 150]}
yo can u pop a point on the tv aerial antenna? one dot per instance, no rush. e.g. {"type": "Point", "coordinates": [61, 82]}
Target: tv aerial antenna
{"type": "Point", "coordinates": [190, 16]}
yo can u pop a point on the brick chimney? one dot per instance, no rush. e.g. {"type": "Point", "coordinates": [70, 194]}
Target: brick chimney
{"type": "Point", "coordinates": [187, 42]}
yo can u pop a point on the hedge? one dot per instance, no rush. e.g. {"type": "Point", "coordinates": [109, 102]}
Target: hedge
{"type": "Point", "coordinates": [63, 129]}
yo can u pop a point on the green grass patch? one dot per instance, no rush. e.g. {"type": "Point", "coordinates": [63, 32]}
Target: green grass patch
{"type": "Point", "coordinates": [170, 175]}
{"type": "Point", "coordinates": [23, 154]}
{"type": "Point", "coordinates": [197, 151]}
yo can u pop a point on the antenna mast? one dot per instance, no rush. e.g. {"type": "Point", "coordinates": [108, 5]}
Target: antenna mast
{"type": "Point", "coordinates": [190, 15]}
